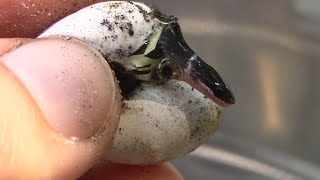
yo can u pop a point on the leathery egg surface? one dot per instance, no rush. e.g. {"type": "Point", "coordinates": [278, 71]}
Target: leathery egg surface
{"type": "Point", "coordinates": [160, 122]}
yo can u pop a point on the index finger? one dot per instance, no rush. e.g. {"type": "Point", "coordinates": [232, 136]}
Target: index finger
{"type": "Point", "coordinates": [28, 18]}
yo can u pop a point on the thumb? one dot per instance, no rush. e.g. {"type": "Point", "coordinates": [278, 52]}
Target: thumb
{"type": "Point", "coordinates": [59, 108]}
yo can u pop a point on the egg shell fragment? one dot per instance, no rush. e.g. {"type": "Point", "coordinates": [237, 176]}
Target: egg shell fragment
{"type": "Point", "coordinates": [114, 28]}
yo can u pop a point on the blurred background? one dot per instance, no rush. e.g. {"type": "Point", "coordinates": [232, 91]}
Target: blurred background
{"type": "Point", "coordinates": [269, 53]}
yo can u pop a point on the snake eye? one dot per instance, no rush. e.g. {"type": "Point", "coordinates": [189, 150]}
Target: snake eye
{"type": "Point", "coordinates": [168, 70]}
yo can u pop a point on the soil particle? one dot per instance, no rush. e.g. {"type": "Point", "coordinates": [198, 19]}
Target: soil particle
{"type": "Point", "coordinates": [130, 29]}
{"type": "Point", "coordinates": [120, 21]}
{"type": "Point", "coordinates": [114, 37]}
{"type": "Point", "coordinates": [115, 5]}
{"type": "Point", "coordinates": [120, 52]}
{"type": "Point", "coordinates": [146, 15]}
{"type": "Point", "coordinates": [108, 24]}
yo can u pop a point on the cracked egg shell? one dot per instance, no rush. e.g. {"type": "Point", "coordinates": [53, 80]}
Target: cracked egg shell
{"type": "Point", "coordinates": [159, 122]}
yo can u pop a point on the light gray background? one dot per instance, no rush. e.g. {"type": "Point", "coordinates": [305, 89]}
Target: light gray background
{"type": "Point", "coordinates": [269, 53]}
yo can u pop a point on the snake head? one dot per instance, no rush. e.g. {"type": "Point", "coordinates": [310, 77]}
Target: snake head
{"type": "Point", "coordinates": [166, 55]}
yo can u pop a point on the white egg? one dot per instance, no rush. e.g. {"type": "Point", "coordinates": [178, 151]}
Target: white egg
{"type": "Point", "coordinates": [160, 122]}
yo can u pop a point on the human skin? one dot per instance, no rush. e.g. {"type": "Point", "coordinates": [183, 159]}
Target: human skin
{"type": "Point", "coordinates": [46, 87]}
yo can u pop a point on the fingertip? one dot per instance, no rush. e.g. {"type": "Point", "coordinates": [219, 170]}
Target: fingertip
{"type": "Point", "coordinates": [19, 117]}
{"type": "Point", "coordinates": [9, 44]}
{"type": "Point", "coordinates": [30, 18]}
{"type": "Point", "coordinates": [42, 85]}
{"type": "Point", "coordinates": [71, 82]}
{"type": "Point", "coordinates": [123, 172]}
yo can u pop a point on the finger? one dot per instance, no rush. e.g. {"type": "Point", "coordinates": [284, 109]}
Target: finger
{"type": "Point", "coordinates": [126, 172]}
{"type": "Point", "coordinates": [59, 109]}
{"type": "Point", "coordinates": [10, 44]}
{"type": "Point", "coordinates": [28, 18]}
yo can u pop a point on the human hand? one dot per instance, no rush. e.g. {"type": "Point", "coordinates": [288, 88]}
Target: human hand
{"type": "Point", "coordinates": [58, 100]}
